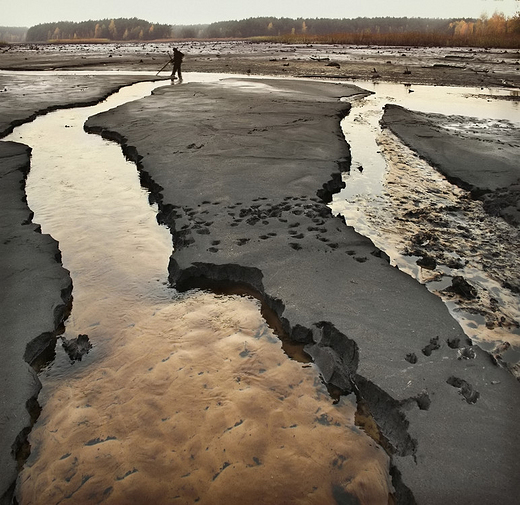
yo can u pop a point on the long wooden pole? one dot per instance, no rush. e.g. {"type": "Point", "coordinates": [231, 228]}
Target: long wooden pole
{"type": "Point", "coordinates": [165, 65]}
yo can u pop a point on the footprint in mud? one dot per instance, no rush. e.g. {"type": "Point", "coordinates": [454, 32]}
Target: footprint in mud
{"type": "Point", "coordinates": [411, 357]}
{"type": "Point", "coordinates": [432, 346]}
{"type": "Point", "coordinates": [466, 389]}
{"type": "Point", "coordinates": [428, 349]}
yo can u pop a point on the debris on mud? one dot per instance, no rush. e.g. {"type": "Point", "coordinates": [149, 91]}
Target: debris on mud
{"type": "Point", "coordinates": [462, 287]}
{"type": "Point", "coordinates": [77, 347]}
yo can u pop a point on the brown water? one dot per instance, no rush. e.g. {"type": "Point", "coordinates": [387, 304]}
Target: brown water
{"type": "Point", "coordinates": [198, 402]}
{"type": "Point", "coordinates": [183, 398]}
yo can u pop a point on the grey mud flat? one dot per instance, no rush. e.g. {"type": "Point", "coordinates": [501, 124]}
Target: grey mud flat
{"type": "Point", "coordinates": [23, 97]}
{"type": "Point", "coordinates": [35, 290]}
{"type": "Point", "coordinates": [481, 159]}
{"type": "Point", "coordinates": [35, 298]}
{"type": "Point", "coordinates": [242, 171]}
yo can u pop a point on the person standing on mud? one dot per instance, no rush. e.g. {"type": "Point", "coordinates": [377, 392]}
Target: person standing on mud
{"type": "Point", "coordinates": [177, 61]}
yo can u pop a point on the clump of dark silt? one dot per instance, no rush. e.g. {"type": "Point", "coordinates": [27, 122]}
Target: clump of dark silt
{"type": "Point", "coordinates": [432, 346]}
{"type": "Point", "coordinates": [76, 348]}
{"type": "Point", "coordinates": [427, 262]}
{"type": "Point", "coordinates": [462, 287]}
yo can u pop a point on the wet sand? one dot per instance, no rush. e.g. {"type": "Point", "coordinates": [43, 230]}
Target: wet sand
{"type": "Point", "coordinates": [212, 411]}
{"type": "Point", "coordinates": [425, 409]}
{"type": "Point", "coordinates": [479, 156]}
{"type": "Point", "coordinates": [432, 228]}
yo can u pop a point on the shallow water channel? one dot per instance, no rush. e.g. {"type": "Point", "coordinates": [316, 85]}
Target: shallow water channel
{"type": "Point", "coordinates": [190, 398]}
{"type": "Point", "coordinates": [388, 182]}
{"type": "Point", "coordinates": [183, 398]}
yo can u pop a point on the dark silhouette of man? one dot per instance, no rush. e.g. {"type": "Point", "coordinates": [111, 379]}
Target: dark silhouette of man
{"type": "Point", "coordinates": [177, 61]}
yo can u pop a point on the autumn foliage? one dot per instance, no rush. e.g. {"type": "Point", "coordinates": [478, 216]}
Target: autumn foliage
{"type": "Point", "coordinates": [496, 31]}
{"type": "Point", "coordinates": [121, 29]}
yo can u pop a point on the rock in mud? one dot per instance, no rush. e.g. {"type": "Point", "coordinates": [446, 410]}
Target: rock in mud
{"type": "Point", "coordinates": [427, 262]}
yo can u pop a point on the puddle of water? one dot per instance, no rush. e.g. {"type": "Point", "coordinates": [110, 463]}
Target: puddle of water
{"type": "Point", "coordinates": [392, 196]}
{"type": "Point", "coordinates": [182, 397]}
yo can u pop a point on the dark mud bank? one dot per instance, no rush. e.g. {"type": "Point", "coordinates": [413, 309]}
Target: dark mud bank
{"type": "Point", "coordinates": [480, 156]}
{"type": "Point", "coordinates": [36, 289]}
{"type": "Point", "coordinates": [36, 299]}
{"type": "Point", "coordinates": [236, 174]}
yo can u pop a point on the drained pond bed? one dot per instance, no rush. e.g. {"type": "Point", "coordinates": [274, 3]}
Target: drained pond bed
{"type": "Point", "coordinates": [184, 395]}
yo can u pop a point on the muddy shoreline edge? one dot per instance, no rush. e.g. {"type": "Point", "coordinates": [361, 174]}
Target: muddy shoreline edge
{"type": "Point", "coordinates": [37, 290]}
{"type": "Point", "coordinates": [419, 409]}
{"type": "Point", "coordinates": [202, 271]}
{"type": "Point", "coordinates": [39, 297]}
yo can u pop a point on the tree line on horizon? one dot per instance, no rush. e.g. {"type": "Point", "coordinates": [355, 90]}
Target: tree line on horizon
{"type": "Point", "coordinates": [121, 29]}
{"type": "Point", "coordinates": [495, 31]}
{"type": "Point", "coordinates": [10, 34]}
{"type": "Point", "coordinates": [271, 26]}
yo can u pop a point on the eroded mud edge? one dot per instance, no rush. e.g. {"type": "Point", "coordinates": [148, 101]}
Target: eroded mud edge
{"type": "Point", "coordinates": [39, 349]}
{"type": "Point", "coordinates": [51, 108]}
{"type": "Point", "coordinates": [336, 355]}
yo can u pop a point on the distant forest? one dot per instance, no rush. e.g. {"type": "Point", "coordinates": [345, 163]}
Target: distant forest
{"type": "Point", "coordinates": [121, 29]}
{"type": "Point", "coordinates": [11, 34]}
{"type": "Point", "coordinates": [494, 31]}
{"type": "Point", "coordinates": [269, 26]}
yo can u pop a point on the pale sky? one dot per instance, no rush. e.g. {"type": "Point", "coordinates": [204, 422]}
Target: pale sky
{"type": "Point", "coordinates": [32, 12]}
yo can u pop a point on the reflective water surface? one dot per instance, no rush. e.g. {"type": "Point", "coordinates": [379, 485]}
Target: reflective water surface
{"type": "Point", "coordinates": [183, 398]}
{"type": "Point", "coordinates": [190, 398]}
{"type": "Point", "coordinates": [399, 201]}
